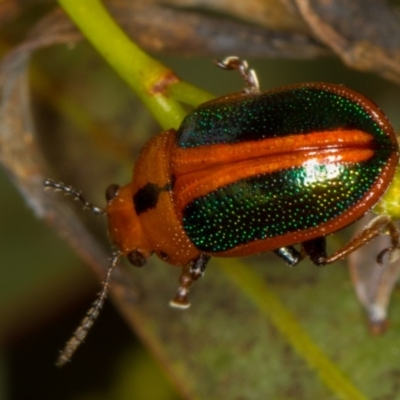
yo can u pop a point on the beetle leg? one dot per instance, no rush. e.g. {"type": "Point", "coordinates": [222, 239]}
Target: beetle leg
{"type": "Point", "coordinates": [290, 255]}
{"type": "Point", "coordinates": [198, 266]}
{"type": "Point", "coordinates": [249, 76]}
{"type": "Point", "coordinates": [190, 274]}
{"type": "Point", "coordinates": [394, 249]}
{"type": "Point", "coordinates": [371, 231]}
{"type": "Point", "coordinates": [316, 250]}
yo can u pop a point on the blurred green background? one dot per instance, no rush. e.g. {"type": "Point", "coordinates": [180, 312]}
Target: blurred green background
{"type": "Point", "coordinates": [44, 288]}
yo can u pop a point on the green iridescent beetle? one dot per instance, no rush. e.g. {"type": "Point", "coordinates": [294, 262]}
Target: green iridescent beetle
{"type": "Point", "coordinates": [253, 172]}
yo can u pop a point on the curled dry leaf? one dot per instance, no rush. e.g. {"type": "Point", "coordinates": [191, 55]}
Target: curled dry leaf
{"type": "Point", "coordinates": [365, 34]}
{"type": "Point", "coordinates": [22, 156]}
{"type": "Point", "coordinates": [278, 15]}
{"type": "Point", "coordinates": [188, 32]}
{"type": "Point", "coordinates": [373, 282]}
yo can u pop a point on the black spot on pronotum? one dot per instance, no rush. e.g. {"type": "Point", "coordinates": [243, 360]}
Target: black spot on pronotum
{"type": "Point", "coordinates": [146, 197]}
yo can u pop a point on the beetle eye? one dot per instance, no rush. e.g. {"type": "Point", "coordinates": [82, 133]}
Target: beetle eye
{"type": "Point", "coordinates": [136, 258]}
{"type": "Point", "coordinates": [112, 191]}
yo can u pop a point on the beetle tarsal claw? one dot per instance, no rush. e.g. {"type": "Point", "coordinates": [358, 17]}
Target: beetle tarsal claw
{"type": "Point", "coordinates": [393, 254]}
{"type": "Point", "coordinates": [180, 301]}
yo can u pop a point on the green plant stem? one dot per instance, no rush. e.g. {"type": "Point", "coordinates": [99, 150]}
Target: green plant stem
{"type": "Point", "coordinates": [146, 76]}
{"type": "Point", "coordinates": [189, 94]}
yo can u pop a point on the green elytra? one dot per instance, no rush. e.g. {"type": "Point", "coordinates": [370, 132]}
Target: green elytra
{"type": "Point", "coordinates": [275, 204]}
{"type": "Point", "coordinates": [290, 200]}
{"type": "Point", "coordinates": [292, 110]}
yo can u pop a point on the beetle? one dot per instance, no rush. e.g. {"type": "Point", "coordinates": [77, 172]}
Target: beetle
{"type": "Point", "coordinates": [252, 172]}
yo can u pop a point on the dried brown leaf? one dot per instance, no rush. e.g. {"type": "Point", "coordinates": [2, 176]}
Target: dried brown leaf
{"type": "Point", "coordinates": [365, 34]}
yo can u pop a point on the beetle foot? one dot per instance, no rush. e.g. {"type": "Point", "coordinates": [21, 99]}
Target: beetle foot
{"type": "Point", "coordinates": [186, 280]}
{"type": "Point", "coordinates": [180, 300]}
{"type": "Point", "coordinates": [249, 76]}
{"type": "Point", "coordinates": [190, 274]}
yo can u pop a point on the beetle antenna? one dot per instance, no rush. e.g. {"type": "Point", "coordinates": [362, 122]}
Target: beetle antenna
{"type": "Point", "coordinates": [87, 322]}
{"type": "Point", "coordinates": [75, 193]}
{"type": "Point", "coordinates": [249, 75]}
